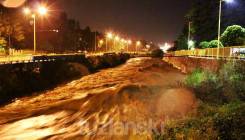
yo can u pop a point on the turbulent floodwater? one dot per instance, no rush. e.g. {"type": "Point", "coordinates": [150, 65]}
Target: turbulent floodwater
{"type": "Point", "coordinates": [126, 102]}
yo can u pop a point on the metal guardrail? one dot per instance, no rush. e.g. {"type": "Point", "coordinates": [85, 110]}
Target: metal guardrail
{"type": "Point", "coordinates": [17, 58]}
{"type": "Point", "coordinates": [28, 58]}
{"type": "Point", "coordinates": [225, 52]}
{"type": "Point", "coordinates": [14, 59]}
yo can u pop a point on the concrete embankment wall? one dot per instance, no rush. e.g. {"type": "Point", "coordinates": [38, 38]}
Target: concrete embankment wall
{"type": "Point", "coordinates": [18, 80]}
{"type": "Point", "coordinates": [189, 64]}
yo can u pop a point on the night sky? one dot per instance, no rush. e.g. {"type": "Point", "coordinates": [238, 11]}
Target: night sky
{"type": "Point", "coordinates": [153, 20]}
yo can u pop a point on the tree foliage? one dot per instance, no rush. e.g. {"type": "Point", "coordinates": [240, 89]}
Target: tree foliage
{"type": "Point", "coordinates": [3, 42]}
{"type": "Point", "coordinates": [233, 36]}
{"type": "Point", "coordinates": [11, 31]}
{"type": "Point", "coordinates": [204, 18]}
{"type": "Point", "coordinates": [214, 44]}
{"type": "Point", "coordinates": [204, 45]}
{"type": "Point", "coordinates": [182, 41]}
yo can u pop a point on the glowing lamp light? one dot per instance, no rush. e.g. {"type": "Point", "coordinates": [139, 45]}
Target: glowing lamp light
{"type": "Point", "coordinates": [148, 46]}
{"type": "Point", "coordinates": [138, 43]}
{"type": "Point", "coordinates": [165, 47]}
{"type": "Point", "coordinates": [229, 1]}
{"type": "Point", "coordinates": [33, 15]}
{"type": "Point", "coordinates": [101, 41]}
{"type": "Point", "coordinates": [56, 31]}
{"type": "Point", "coordinates": [129, 42]}
{"type": "Point", "coordinates": [26, 11]}
{"type": "Point", "coordinates": [42, 10]}
{"type": "Point", "coordinates": [117, 38]}
{"type": "Point", "coordinates": [109, 35]}
{"type": "Point", "coordinates": [191, 43]}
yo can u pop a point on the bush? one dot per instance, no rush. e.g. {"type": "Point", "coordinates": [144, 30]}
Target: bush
{"type": "Point", "coordinates": [206, 85]}
{"type": "Point", "coordinates": [224, 122]}
{"type": "Point", "coordinates": [204, 45]}
{"type": "Point", "coordinates": [214, 44]}
{"type": "Point", "coordinates": [232, 77]}
{"type": "Point", "coordinates": [222, 87]}
{"type": "Point", "coordinates": [221, 110]}
{"type": "Point", "coordinates": [233, 36]}
{"type": "Point", "coordinates": [196, 78]}
{"type": "Point", "coordinates": [157, 53]}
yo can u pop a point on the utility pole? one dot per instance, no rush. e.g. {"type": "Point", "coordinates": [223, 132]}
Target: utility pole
{"type": "Point", "coordinates": [95, 42]}
{"type": "Point", "coordinates": [35, 34]}
{"type": "Point", "coordinates": [189, 35]}
{"type": "Point", "coordinates": [106, 45]}
{"type": "Point", "coordinates": [220, 7]}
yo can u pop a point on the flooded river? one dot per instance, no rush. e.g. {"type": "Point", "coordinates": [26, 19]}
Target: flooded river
{"type": "Point", "coordinates": [126, 102]}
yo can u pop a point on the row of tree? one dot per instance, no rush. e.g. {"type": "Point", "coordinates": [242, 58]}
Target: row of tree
{"type": "Point", "coordinates": [204, 21]}
{"type": "Point", "coordinates": [232, 36]}
{"type": "Point", "coordinates": [56, 34]}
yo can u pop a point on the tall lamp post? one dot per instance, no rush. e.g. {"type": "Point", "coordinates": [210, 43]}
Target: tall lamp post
{"type": "Point", "coordinates": [219, 23]}
{"type": "Point", "coordinates": [189, 36]}
{"type": "Point", "coordinates": [138, 43]}
{"type": "Point", "coordinates": [101, 42]}
{"type": "Point", "coordinates": [115, 42]}
{"type": "Point", "coordinates": [42, 11]}
{"type": "Point", "coordinates": [129, 42]}
{"type": "Point", "coordinates": [95, 41]}
{"type": "Point", "coordinates": [108, 37]}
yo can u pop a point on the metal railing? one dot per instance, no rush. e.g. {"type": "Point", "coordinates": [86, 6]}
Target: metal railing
{"type": "Point", "coordinates": [225, 52]}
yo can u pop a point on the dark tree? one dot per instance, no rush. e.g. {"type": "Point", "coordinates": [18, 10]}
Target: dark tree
{"type": "Point", "coordinates": [11, 28]}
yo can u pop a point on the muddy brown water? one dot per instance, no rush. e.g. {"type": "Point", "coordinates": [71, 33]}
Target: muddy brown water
{"type": "Point", "coordinates": [122, 103]}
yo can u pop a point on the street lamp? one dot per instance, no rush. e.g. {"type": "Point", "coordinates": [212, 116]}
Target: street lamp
{"type": "Point", "coordinates": [108, 37]}
{"type": "Point", "coordinates": [189, 35]}
{"type": "Point", "coordinates": [191, 44]}
{"type": "Point", "coordinates": [42, 11]}
{"type": "Point", "coordinates": [138, 43]}
{"type": "Point", "coordinates": [101, 42]}
{"type": "Point", "coordinates": [26, 11]}
{"type": "Point", "coordinates": [116, 39]}
{"type": "Point", "coordinates": [219, 24]}
{"type": "Point", "coordinates": [129, 42]}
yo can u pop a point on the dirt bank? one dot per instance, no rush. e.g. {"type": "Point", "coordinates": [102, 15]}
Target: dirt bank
{"type": "Point", "coordinates": [126, 102]}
